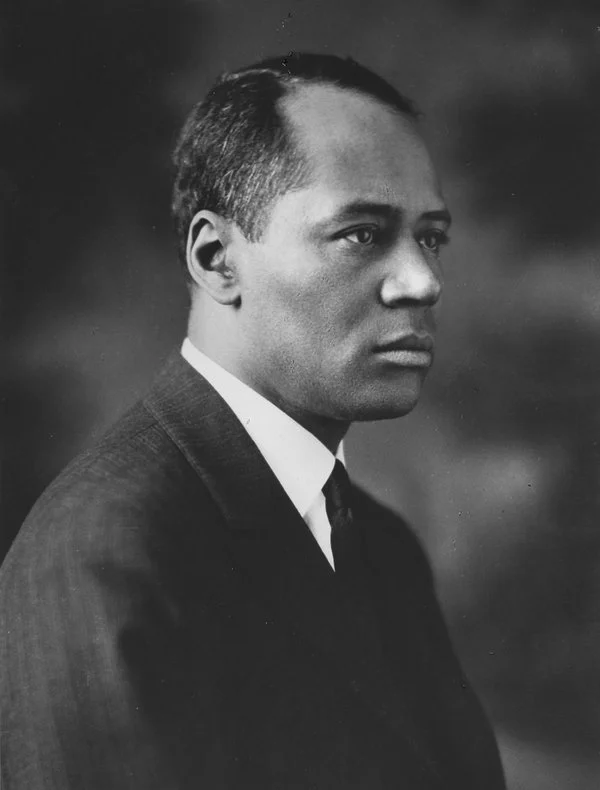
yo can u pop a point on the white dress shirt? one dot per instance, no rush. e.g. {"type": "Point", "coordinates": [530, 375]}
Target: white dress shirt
{"type": "Point", "coordinates": [300, 462]}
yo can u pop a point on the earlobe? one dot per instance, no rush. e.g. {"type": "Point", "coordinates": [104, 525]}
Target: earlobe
{"type": "Point", "coordinates": [209, 257]}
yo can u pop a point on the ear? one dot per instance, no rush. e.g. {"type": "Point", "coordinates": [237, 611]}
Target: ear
{"type": "Point", "coordinates": [208, 257]}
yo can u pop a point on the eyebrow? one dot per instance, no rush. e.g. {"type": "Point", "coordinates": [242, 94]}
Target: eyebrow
{"type": "Point", "coordinates": [442, 215]}
{"type": "Point", "coordinates": [360, 207]}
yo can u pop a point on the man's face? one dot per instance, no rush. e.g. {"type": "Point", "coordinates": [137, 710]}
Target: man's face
{"type": "Point", "coordinates": [338, 296]}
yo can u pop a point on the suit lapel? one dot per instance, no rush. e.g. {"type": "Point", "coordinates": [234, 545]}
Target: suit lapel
{"type": "Point", "coordinates": [272, 545]}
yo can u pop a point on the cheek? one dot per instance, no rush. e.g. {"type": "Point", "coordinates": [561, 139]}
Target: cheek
{"type": "Point", "coordinates": [324, 320]}
{"type": "Point", "coordinates": [284, 299]}
{"type": "Point", "coordinates": [312, 307]}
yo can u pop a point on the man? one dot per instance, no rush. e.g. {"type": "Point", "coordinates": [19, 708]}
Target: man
{"type": "Point", "coordinates": [204, 600]}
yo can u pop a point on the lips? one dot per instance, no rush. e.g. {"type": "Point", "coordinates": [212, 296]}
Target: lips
{"type": "Point", "coordinates": [407, 343]}
{"type": "Point", "coordinates": [408, 351]}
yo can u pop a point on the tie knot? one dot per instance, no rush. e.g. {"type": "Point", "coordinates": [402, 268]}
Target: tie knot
{"type": "Point", "coordinates": [338, 491]}
{"type": "Point", "coordinates": [345, 535]}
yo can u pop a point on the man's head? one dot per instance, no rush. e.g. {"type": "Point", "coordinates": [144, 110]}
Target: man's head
{"type": "Point", "coordinates": [237, 153]}
{"type": "Point", "coordinates": [310, 221]}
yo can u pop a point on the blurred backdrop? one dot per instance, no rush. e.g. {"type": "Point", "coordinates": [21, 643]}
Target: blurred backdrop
{"type": "Point", "coordinates": [498, 467]}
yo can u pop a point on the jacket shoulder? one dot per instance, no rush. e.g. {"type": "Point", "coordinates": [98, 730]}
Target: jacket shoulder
{"type": "Point", "coordinates": [391, 530]}
{"type": "Point", "coordinates": [116, 496]}
{"type": "Point", "coordinates": [93, 594]}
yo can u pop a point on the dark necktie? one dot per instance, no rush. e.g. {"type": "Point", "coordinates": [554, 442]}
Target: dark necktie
{"type": "Point", "coordinates": [345, 535]}
{"type": "Point", "coordinates": [351, 571]}
{"type": "Point", "coordinates": [349, 557]}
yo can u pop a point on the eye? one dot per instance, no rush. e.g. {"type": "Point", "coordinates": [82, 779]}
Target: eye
{"type": "Point", "coordinates": [364, 236]}
{"type": "Point", "coordinates": [433, 240]}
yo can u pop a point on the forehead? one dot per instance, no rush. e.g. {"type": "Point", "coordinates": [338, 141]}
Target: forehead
{"type": "Point", "coordinates": [360, 148]}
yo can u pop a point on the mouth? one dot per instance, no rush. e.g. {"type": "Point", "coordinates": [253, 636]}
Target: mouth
{"type": "Point", "coordinates": [411, 351]}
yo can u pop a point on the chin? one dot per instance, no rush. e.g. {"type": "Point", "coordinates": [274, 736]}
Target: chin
{"type": "Point", "coordinates": [383, 411]}
{"type": "Point", "coordinates": [383, 404]}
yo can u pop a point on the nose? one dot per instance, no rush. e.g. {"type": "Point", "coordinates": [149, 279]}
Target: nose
{"type": "Point", "coordinates": [413, 277]}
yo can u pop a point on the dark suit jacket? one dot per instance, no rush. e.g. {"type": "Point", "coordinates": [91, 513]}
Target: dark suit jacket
{"type": "Point", "coordinates": [169, 622]}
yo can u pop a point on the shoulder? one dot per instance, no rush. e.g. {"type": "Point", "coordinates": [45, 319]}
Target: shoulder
{"type": "Point", "coordinates": [381, 517]}
{"type": "Point", "coordinates": [95, 596]}
{"type": "Point", "coordinates": [393, 537]}
{"type": "Point", "coordinates": [114, 500]}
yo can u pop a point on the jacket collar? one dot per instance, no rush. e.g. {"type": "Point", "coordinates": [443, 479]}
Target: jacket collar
{"type": "Point", "coordinates": [301, 463]}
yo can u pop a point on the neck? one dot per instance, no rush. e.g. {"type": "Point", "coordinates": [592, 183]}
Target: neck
{"type": "Point", "coordinates": [328, 431]}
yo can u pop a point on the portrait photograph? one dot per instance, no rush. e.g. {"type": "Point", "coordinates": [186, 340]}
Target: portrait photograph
{"type": "Point", "coordinates": [301, 395]}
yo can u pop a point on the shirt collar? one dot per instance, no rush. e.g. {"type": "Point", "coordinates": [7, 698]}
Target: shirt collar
{"type": "Point", "coordinates": [301, 463]}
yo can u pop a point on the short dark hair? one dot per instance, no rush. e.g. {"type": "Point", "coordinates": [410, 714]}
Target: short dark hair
{"type": "Point", "coordinates": [236, 152]}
